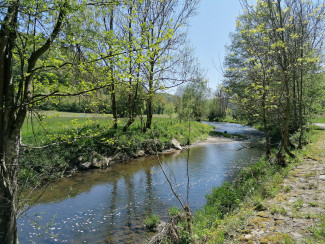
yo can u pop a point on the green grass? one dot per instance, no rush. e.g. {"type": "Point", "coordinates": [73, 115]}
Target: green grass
{"type": "Point", "coordinates": [320, 119]}
{"type": "Point", "coordinates": [225, 199]}
{"type": "Point", "coordinates": [53, 114]}
{"type": "Point", "coordinates": [51, 125]}
{"type": "Point", "coordinates": [319, 231]}
{"type": "Point", "coordinates": [41, 129]}
{"type": "Point", "coordinates": [71, 139]}
{"type": "Point", "coordinates": [228, 207]}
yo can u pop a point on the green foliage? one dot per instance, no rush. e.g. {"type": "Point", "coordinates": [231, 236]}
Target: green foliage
{"type": "Point", "coordinates": [173, 211]}
{"type": "Point", "coordinates": [250, 184]}
{"type": "Point", "coordinates": [218, 106]}
{"type": "Point", "coordinates": [185, 236]}
{"type": "Point", "coordinates": [151, 221]}
{"type": "Point", "coordinates": [169, 110]}
{"type": "Point", "coordinates": [193, 100]}
{"type": "Point", "coordinates": [272, 57]}
{"type": "Point", "coordinates": [80, 104]}
{"type": "Point", "coordinates": [68, 137]}
{"type": "Point", "coordinates": [223, 199]}
{"type": "Point", "coordinates": [319, 231]}
{"type": "Point", "coordinates": [298, 204]}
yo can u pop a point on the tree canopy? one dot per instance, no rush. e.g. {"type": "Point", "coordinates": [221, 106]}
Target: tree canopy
{"type": "Point", "coordinates": [274, 66]}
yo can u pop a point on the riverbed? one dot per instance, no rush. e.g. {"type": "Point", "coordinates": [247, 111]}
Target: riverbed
{"type": "Point", "coordinates": [110, 205]}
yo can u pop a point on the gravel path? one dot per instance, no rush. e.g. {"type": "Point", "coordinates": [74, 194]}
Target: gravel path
{"type": "Point", "coordinates": [291, 214]}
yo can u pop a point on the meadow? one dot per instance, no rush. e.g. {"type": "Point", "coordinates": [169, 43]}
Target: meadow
{"type": "Point", "coordinates": [57, 143]}
{"type": "Point", "coordinates": [48, 126]}
{"type": "Point", "coordinates": [320, 119]}
{"type": "Point", "coordinates": [39, 127]}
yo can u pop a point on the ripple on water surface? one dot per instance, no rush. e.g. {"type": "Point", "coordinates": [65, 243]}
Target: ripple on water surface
{"type": "Point", "coordinates": [109, 206]}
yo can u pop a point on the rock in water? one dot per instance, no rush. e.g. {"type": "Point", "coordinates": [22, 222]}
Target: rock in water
{"type": "Point", "coordinates": [85, 165]}
{"type": "Point", "coordinates": [176, 144]}
{"type": "Point", "coordinates": [139, 153]}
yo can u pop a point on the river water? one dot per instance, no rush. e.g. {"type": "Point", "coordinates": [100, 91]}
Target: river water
{"type": "Point", "coordinates": [109, 206]}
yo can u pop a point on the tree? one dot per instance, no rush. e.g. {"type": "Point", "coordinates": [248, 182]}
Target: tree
{"type": "Point", "coordinates": [26, 45]}
{"type": "Point", "coordinates": [218, 105]}
{"type": "Point", "coordinates": [194, 97]}
{"type": "Point", "coordinates": [134, 31]}
{"type": "Point", "coordinates": [163, 39]}
{"type": "Point", "coordinates": [271, 62]}
{"type": "Point", "coordinates": [169, 110]}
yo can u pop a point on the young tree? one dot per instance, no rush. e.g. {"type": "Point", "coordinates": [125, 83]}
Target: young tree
{"type": "Point", "coordinates": [169, 110]}
{"type": "Point", "coordinates": [218, 105]}
{"type": "Point", "coordinates": [134, 31]}
{"type": "Point", "coordinates": [194, 97]}
{"type": "Point", "coordinates": [164, 37]}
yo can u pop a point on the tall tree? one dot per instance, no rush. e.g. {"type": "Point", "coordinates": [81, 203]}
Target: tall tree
{"type": "Point", "coordinates": [164, 35]}
{"type": "Point", "coordinates": [35, 36]}
{"type": "Point", "coordinates": [265, 63]}
{"type": "Point", "coordinates": [15, 97]}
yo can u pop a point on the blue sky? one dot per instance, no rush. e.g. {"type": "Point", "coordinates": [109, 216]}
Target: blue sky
{"type": "Point", "coordinates": [209, 33]}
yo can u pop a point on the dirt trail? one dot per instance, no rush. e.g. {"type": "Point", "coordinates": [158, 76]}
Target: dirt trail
{"type": "Point", "coordinates": [291, 214]}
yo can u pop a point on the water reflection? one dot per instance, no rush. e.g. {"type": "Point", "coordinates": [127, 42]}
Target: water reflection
{"type": "Point", "coordinates": [109, 206]}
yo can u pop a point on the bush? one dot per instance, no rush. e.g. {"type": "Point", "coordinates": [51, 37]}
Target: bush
{"type": "Point", "coordinates": [224, 198]}
{"type": "Point", "coordinates": [173, 211]}
{"type": "Point", "coordinates": [151, 222]}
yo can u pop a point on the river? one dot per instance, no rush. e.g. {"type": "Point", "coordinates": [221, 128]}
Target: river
{"type": "Point", "coordinates": [110, 205]}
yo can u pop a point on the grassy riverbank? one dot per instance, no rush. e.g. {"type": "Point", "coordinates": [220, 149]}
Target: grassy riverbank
{"type": "Point", "coordinates": [57, 143]}
{"type": "Point", "coordinates": [265, 199]}
{"type": "Point", "coordinates": [320, 119]}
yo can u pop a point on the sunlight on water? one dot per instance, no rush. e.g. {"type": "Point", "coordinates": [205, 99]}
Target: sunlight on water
{"type": "Point", "coordinates": [109, 206]}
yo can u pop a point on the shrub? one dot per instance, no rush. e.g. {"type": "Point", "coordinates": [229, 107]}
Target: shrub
{"type": "Point", "coordinates": [173, 211]}
{"type": "Point", "coordinates": [151, 221]}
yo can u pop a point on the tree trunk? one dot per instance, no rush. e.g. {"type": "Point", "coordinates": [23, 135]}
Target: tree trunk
{"type": "Point", "coordinates": [149, 112]}
{"type": "Point", "coordinates": [13, 109]}
{"type": "Point", "coordinates": [8, 189]}
{"type": "Point", "coordinates": [300, 99]}
{"type": "Point", "coordinates": [131, 101]}
{"type": "Point", "coordinates": [266, 131]}
{"type": "Point", "coordinates": [114, 107]}
{"type": "Point", "coordinates": [150, 95]}
{"type": "Point", "coordinates": [9, 132]}
{"type": "Point", "coordinates": [286, 141]}
{"type": "Point", "coordinates": [133, 107]}
{"type": "Point", "coordinates": [113, 95]}
{"type": "Point", "coordinates": [295, 89]}
{"type": "Point", "coordinates": [8, 226]}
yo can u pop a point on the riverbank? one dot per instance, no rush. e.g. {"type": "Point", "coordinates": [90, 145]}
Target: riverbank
{"type": "Point", "coordinates": [268, 204]}
{"type": "Point", "coordinates": [123, 195]}
{"type": "Point", "coordinates": [60, 146]}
